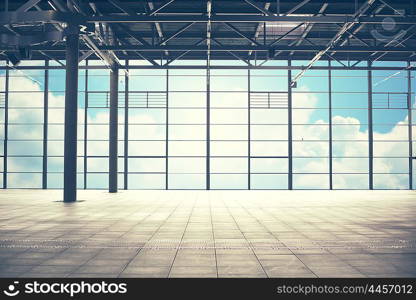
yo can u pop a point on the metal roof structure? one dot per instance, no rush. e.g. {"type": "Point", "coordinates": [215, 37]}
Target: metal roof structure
{"type": "Point", "coordinates": [246, 30]}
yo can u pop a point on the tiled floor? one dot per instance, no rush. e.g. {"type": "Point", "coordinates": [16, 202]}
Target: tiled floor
{"type": "Point", "coordinates": [208, 234]}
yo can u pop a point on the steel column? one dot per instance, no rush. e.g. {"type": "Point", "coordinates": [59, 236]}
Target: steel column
{"type": "Point", "coordinates": [208, 94]}
{"type": "Point", "coordinates": [45, 128]}
{"type": "Point", "coordinates": [71, 105]}
{"type": "Point", "coordinates": [370, 129]}
{"type": "Point", "coordinates": [126, 127]}
{"type": "Point", "coordinates": [6, 128]}
{"type": "Point", "coordinates": [249, 130]}
{"type": "Point", "coordinates": [290, 140]}
{"type": "Point", "coordinates": [410, 120]}
{"type": "Point", "coordinates": [113, 142]}
{"type": "Point", "coordinates": [86, 127]}
{"type": "Point", "coordinates": [331, 186]}
{"type": "Point", "coordinates": [167, 132]}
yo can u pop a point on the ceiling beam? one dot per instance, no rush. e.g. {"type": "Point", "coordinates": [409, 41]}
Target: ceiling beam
{"type": "Point", "coordinates": [327, 19]}
{"type": "Point", "coordinates": [100, 53]}
{"type": "Point", "coordinates": [133, 35]}
{"type": "Point", "coordinates": [398, 40]}
{"type": "Point", "coordinates": [58, 5]}
{"type": "Point", "coordinates": [234, 54]}
{"type": "Point", "coordinates": [28, 5]}
{"type": "Point", "coordinates": [80, 6]}
{"type": "Point", "coordinates": [125, 41]}
{"type": "Point", "coordinates": [303, 3]}
{"type": "Point", "coordinates": [179, 31]}
{"type": "Point", "coordinates": [110, 59]}
{"type": "Point", "coordinates": [157, 24]}
{"type": "Point", "coordinates": [85, 55]}
{"type": "Point", "coordinates": [286, 34]}
{"type": "Point", "coordinates": [334, 41]}
{"type": "Point", "coordinates": [53, 58]}
{"type": "Point", "coordinates": [123, 7]}
{"type": "Point", "coordinates": [51, 16]}
{"type": "Point", "coordinates": [231, 35]}
{"type": "Point", "coordinates": [242, 34]}
{"type": "Point", "coordinates": [360, 27]}
{"type": "Point", "coordinates": [248, 47]}
{"type": "Point", "coordinates": [184, 53]}
{"type": "Point", "coordinates": [259, 8]}
{"type": "Point", "coordinates": [209, 32]}
{"type": "Point", "coordinates": [139, 40]}
{"type": "Point", "coordinates": [309, 27]}
{"type": "Point", "coordinates": [260, 26]}
{"type": "Point", "coordinates": [130, 12]}
{"type": "Point", "coordinates": [156, 10]}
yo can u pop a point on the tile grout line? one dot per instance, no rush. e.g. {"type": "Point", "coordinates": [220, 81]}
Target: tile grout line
{"type": "Point", "coordinates": [183, 234]}
{"type": "Point", "coordinates": [228, 209]}
{"type": "Point", "coordinates": [288, 247]}
{"type": "Point", "coordinates": [155, 232]}
{"type": "Point", "coordinates": [213, 233]}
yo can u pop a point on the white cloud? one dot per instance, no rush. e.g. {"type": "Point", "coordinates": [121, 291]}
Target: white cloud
{"type": "Point", "coordinates": [349, 129]}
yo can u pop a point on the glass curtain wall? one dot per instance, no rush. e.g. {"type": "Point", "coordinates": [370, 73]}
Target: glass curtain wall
{"type": "Point", "coordinates": [187, 129]}
{"type": "Point", "coordinates": [350, 129]}
{"type": "Point", "coordinates": [180, 128]}
{"type": "Point", "coordinates": [25, 116]}
{"type": "Point", "coordinates": [391, 128]}
{"type": "Point", "coordinates": [269, 130]}
{"type": "Point", "coordinates": [311, 118]}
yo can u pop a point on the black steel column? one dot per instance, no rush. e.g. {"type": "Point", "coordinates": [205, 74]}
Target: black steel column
{"type": "Point", "coordinates": [290, 140]}
{"type": "Point", "coordinates": [370, 127]}
{"type": "Point", "coordinates": [112, 183]}
{"type": "Point", "coordinates": [331, 185]}
{"type": "Point", "coordinates": [126, 126]}
{"type": "Point", "coordinates": [71, 105]}
{"type": "Point", "coordinates": [6, 128]}
{"type": "Point", "coordinates": [167, 132]}
{"type": "Point", "coordinates": [45, 128]}
{"type": "Point", "coordinates": [410, 120]}
{"type": "Point", "coordinates": [86, 126]}
{"type": "Point", "coordinates": [208, 170]}
{"type": "Point", "coordinates": [249, 130]}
